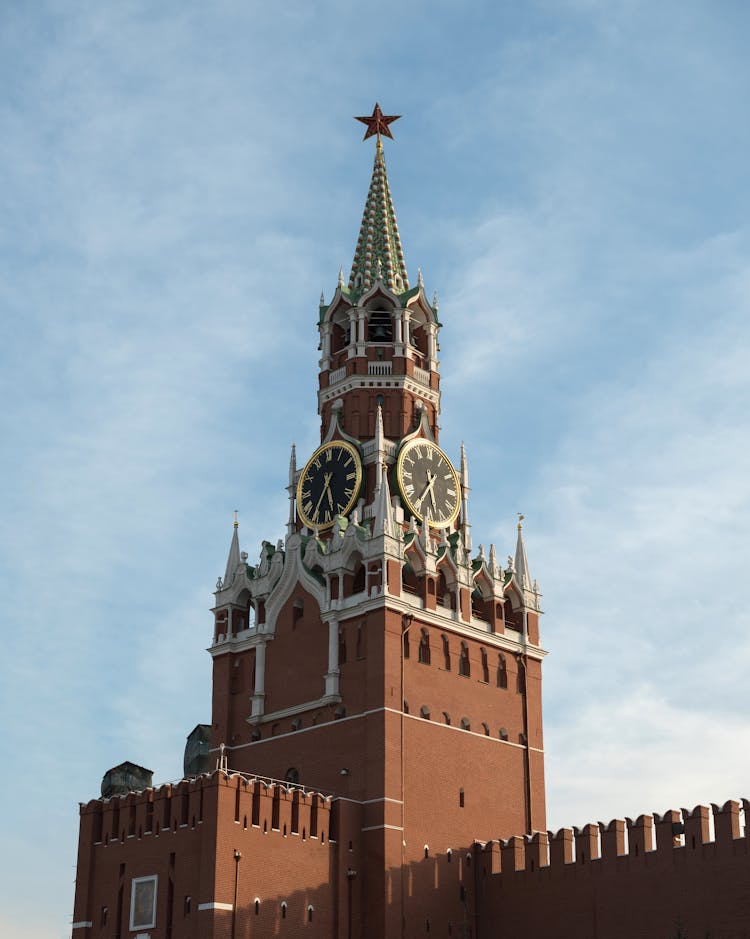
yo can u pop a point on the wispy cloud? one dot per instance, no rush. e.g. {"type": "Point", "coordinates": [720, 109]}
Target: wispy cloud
{"type": "Point", "coordinates": [178, 186]}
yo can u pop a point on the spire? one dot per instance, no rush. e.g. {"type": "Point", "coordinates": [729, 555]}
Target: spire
{"type": "Point", "coordinates": [290, 527]}
{"type": "Point", "coordinates": [521, 564]}
{"type": "Point", "coordinates": [379, 243]}
{"type": "Point", "coordinates": [465, 525]}
{"type": "Point", "coordinates": [233, 561]}
{"type": "Point", "coordinates": [379, 447]}
{"type": "Point", "coordinates": [383, 508]}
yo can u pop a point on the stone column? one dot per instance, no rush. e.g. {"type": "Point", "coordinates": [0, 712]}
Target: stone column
{"type": "Point", "coordinates": [432, 345]}
{"type": "Point", "coordinates": [325, 334]}
{"type": "Point", "coordinates": [259, 694]}
{"type": "Point", "coordinates": [332, 675]}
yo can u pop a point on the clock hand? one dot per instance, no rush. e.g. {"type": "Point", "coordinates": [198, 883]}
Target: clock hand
{"type": "Point", "coordinates": [330, 496]}
{"type": "Point", "coordinates": [432, 477]}
{"type": "Point", "coordinates": [326, 488]}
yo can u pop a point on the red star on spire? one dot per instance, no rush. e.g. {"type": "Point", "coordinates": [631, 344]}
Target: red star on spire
{"type": "Point", "coordinates": [377, 123]}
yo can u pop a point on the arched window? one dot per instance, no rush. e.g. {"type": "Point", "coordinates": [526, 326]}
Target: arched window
{"type": "Point", "coordinates": [511, 617]}
{"type": "Point", "coordinates": [339, 712]}
{"type": "Point", "coordinates": [257, 905]}
{"type": "Point", "coordinates": [424, 712]}
{"type": "Point", "coordinates": [465, 723]}
{"type": "Point", "coordinates": [424, 647]}
{"type": "Point", "coordinates": [238, 677]}
{"type": "Point", "coordinates": [340, 335]}
{"type": "Point", "coordinates": [296, 723]}
{"type": "Point", "coordinates": [380, 326]}
{"type": "Point", "coordinates": [485, 666]}
{"type": "Point", "coordinates": [360, 576]}
{"type": "Point", "coordinates": [446, 653]}
{"type": "Point", "coordinates": [521, 678]}
{"type": "Point", "coordinates": [342, 645]}
{"type": "Point", "coordinates": [409, 579]}
{"type": "Point", "coordinates": [283, 909]}
{"type": "Point", "coordinates": [292, 775]}
{"type": "Point", "coordinates": [406, 706]}
{"type": "Point", "coordinates": [464, 665]}
{"type": "Point", "coordinates": [502, 672]}
{"type": "Point", "coordinates": [486, 729]}
{"type": "Point", "coordinates": [503, 733]}
{"type": "Point", "coordinates": [310, 910]}
{"type": "Point", "coordinates": [446, 718]}
{"type": "Point", "coordinates": [444, 595]}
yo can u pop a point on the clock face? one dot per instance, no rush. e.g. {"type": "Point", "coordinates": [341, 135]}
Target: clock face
{"type": "Point", "coordinates": [329, 484]}
{"type": "Point", "coordinates": [427, 480]}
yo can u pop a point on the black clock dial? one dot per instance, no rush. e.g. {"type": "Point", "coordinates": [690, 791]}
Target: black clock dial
{"type": "Point", "coordinates": [329, 484]}
{"type": "Point", "coordinates": [428, 481]}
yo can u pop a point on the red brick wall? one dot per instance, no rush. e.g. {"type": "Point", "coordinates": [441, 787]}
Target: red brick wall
{"type": "Point", "coordinates": [276, 865]}
{"type": "Point", "coordinates": [649, 888]}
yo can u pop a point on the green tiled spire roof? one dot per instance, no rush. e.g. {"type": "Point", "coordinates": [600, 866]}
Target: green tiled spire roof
{"type": "Point", "coordinates": [379, 253]}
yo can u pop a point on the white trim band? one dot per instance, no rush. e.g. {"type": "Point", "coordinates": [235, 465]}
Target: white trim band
{"type": "Point", "coordinates": [215, 906]}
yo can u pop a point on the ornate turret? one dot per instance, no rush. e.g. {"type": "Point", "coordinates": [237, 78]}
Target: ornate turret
{"type": "Point", "coordinates": [378, 336]}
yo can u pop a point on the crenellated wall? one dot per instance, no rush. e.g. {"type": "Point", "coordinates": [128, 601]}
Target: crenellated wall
{"type": "Point", "coordinates": [681, 874]}
{"type": "Point", "coordinates": [196, 837]}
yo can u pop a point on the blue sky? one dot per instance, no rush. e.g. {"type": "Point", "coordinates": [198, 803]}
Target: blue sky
{"type": "Point", "coordinates": [178, 184]}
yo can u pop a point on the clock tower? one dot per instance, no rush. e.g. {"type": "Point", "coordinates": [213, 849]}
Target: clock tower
{"type": "Point", "coordinates": [372, 654]}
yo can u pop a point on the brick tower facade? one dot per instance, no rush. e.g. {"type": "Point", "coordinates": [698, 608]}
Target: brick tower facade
{"type": "Point", "coordinates": [376, 681]}
{"type": "Point", "coordinates": [373, 656]}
